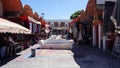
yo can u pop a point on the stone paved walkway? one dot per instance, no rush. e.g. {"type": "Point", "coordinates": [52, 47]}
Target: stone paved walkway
{"type": "Point", "coordinates": [87, 56]}
{"type": "Point", "coordinates": [81, 56]}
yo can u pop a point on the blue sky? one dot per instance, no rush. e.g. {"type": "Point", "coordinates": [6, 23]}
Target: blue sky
{"type": "Point", "coordinates": [56, 9]}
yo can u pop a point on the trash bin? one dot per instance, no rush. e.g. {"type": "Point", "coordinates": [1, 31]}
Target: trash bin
{"type": "Point", "coordinates": [32, 52]}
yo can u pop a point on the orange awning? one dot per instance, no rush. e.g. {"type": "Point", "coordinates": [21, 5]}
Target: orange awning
{"type": "Point", "coordinates": [43, 23]}
{"type": "Point", "coordinates": [30, 19]}
{"type": "Point", "coordinates": [75, 20]}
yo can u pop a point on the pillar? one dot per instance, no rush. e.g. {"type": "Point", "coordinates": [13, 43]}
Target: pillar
{"type": "Point", "coordinates": [99, 35]}
{"type": "Point", "coordinates": [94, 35]}
{"type": "Point", "coordinates": [104, 43]}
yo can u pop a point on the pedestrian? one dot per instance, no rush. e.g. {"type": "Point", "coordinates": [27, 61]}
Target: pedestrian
{"type": "Point", "coordinates": [75, 34]}
{"type": "Point", "coordinates": [4, 42]}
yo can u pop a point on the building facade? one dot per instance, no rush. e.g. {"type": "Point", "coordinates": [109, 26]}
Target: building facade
{"type": "Point", "coordinates": [59, 26]}
{"type": "Point", "coordinates": [58, 23]}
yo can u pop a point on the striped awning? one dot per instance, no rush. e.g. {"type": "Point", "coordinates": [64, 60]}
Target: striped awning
{"type": "Point", "coordinates": [11, 27]}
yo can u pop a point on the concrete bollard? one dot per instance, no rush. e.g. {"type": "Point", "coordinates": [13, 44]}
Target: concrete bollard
{"type": "Point", "coordinates": [32, 52]}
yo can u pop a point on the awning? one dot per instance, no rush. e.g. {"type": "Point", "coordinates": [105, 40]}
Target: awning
{"type": "Point", "coordinates": [11, 27]}
{"type": "Point", "coordinates": [116, 14]}
{"type": "Point", "coordinates": [43, 22]}
{"type": "Point", "coordinates": [72, 22]}
{"type": "Point", "coordinates": [33, 20]}
{"type": "Point", "coordinates": [75, 20]}
{"type": "Point", "coordinates": [103, 1]}
{"type": "Point", "coordinates": [60, 28]}
{"type": "Point", "coordinates": [27, 18]}
{"type": "Point", "coordinates": [46, 25]}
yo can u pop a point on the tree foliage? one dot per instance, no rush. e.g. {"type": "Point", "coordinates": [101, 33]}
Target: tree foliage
{"type": "Point", "coordinates": [75, 14]}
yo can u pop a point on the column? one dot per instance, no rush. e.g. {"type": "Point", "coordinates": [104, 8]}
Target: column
{"type": "Point", "coordinates": [94, 35]}
{"type": "Point", "coordinates": [99, 35]}
{"type": "Point", "coordinates": [104, 43]}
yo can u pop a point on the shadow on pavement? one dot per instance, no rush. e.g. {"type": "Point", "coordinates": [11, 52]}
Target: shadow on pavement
{"type": "Point", "coordinates": [8, 59]}
{"type": "Point", "coordinates": [86, 55]}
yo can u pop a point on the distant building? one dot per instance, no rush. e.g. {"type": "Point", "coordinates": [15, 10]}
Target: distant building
{"type": "Point", "coordinates": [59, 26]}
{"type": "Point", "coordinates": [58, 22]}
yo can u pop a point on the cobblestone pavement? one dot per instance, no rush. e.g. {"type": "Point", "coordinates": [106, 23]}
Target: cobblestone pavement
{"type": "Point", "coordinates": [81, 56]}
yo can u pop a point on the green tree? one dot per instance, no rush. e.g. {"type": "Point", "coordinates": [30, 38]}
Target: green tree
{"type": "Point", "coordinates": [75, 14]}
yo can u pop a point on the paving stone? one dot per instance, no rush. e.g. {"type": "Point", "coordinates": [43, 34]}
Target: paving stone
{"type": "Point", "coordinates": [82, 56]}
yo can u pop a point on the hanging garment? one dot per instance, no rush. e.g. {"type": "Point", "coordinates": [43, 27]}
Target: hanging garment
{"type": "Point", "coordinates": [80, 36]}
{"type": "Point", "coordinates": [74, 32]}
{"type": "Point", "coordinates": [70, 30]}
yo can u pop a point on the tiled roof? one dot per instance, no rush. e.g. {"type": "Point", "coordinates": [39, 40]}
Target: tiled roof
{"type": "Point", "coordinates": [36, 16]}
{"type": "Point", "coordinates": [12, 5]}
{"type": "Point", "coordinates": [84, 16]}
{"type": "Point", "coordinates": [27, 11]}
{"type": "Point", "coordinates": [90, 7]}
